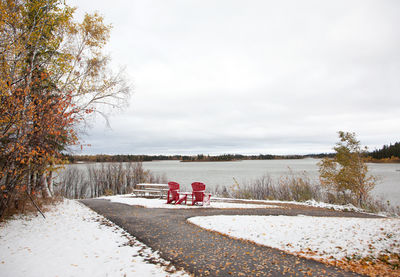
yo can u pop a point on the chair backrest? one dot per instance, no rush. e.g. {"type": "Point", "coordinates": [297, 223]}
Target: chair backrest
{"type": "Point", "coordinates": [197, 186]}
{"type": "Point", "coordinates": [198, 190]}
{"type": "Point", "coordinates": [173, 190]}
{"type": "Point", "coordinates": [173, 186]}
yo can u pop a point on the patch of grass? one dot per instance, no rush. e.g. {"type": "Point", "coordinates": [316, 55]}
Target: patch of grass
{"type": "Point", "coordinates": [22, 204]}
{"type": "Point", "coordinates": [299, 187]}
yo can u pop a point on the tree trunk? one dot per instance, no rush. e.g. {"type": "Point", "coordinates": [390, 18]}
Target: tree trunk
{"type": "Point", "coordinates": [43, 186]}
{"type": "Point", "coordinates": [49, 180]}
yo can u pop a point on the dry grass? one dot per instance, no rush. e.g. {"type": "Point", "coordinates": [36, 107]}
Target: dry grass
{"type": "Point", "coordinates": [22, 204]}
{"type": "Point", "coordinates": [370, 267]}
{"type": "Point", "coordinates": [299, 187]}
{"type": "Point", "coordinates": [296, 187]}
{"type": "Point", "coordinates": [384, 265]}
{"type": "Point", "coordinates": [104, 179]}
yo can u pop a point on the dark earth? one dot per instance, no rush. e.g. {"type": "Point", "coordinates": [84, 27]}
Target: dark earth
{"type": "Point", "coordinates": [205, 253]}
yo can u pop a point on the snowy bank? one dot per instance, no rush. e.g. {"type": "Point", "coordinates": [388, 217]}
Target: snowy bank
{"type": "Point", "coordinates": [74, 241]}
{"type": "Point", "coordinates": [309, 203]}
{"type": "Point", "coordinates": [161, 203]}
{"type": "Point", "coordinates": [312, 237]}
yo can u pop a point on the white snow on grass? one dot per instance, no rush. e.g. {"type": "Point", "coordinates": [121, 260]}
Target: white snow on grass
{"type": "Point", "coordinates": [226, 203]}
{"type": "Point", "coordinates": [313, 237]}
{"type": "Point", "coordinates": [347, 207]}
{"type": "Point", "coordinates": [309, 203]}
{"type": "Point", "coordinates": [161, 203]}
{"type": "Point", "coordinates": [73, 241]}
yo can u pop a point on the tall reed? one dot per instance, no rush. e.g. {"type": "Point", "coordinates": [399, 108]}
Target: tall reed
{"type": "Point", "coordinates": [298, 187]}
{"type": "Point", "coordinates": [96, 180]}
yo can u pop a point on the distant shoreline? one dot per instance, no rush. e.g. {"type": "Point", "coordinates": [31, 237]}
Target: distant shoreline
{"type": "Point", "coordinates": [208, 158]}
{"type": "Point", "coordinates": [392, 160]}
{"type": "Point", "coordinates": [211, 161]}
{"type": "Point", "coordinates": [367, 160]}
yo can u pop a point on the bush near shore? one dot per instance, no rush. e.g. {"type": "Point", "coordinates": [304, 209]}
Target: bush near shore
{"type": "Point", "coordinates": [96, 180]}
{"type": "Point", "coordinates": [383, 160]}
{"type": "Point", "coordinates": [120, 178]}
{"type": "Point", "coordinates": [299, 187]}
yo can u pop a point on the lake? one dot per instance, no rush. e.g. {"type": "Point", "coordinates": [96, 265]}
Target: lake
{"type": "Point", "coordinates": [222, 173]}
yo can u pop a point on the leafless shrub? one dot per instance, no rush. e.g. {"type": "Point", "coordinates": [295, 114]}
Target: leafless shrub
{"type": "Point", "coordinates": [297, 187]}
{"type": "Point", "coordinates": [70, 181]}
{"type": "Point", "coordinates": [381, 205]}
{"type": "Point", "coordinates": [221, 191]}
{"type": "Point", "coordinates": [105, 179]}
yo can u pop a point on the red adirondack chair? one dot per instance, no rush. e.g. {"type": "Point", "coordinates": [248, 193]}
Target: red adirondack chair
{"type": "Point", "coordinates": [199, 195]}
{"type": "Point", "coordinates": [173, 194]}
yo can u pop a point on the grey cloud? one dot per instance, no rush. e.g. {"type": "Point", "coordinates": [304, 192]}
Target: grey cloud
{"type": "Point", "coordinates": [252, 77]}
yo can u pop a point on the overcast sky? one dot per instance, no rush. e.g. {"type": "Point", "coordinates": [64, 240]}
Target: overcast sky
{"type": "Point", "coordinates": [250, 77]}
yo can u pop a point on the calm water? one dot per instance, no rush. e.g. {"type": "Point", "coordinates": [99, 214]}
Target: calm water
{"type": "Point", "coordinates": [222, 173]}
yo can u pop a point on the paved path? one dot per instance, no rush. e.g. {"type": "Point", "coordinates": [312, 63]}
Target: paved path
{"type": "Point", "coordinates": [205, 253]}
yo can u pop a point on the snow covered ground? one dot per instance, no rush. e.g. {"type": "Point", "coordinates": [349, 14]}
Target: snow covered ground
{"type": "Point", "coordinates": [226, 203]}
{"type": "Point", "coordinates": [310, 203]}
{"type": "Point", "coordinates": [313, 237]}
{"type": "Point", "coordinates": [74, 241]}
{"type": "Point", "coordinates": [161, 203]}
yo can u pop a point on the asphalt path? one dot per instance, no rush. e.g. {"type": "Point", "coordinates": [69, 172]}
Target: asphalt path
{"type": "Point", "coordinates": [205, 253]}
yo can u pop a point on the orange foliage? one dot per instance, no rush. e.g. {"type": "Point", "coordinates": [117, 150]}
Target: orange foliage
{"type": "Point", "coordinates": [52, 76]}
{"type": "Point", "coordinates": [37, 124]}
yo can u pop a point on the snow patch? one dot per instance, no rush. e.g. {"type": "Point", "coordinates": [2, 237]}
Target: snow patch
{"type": "Point", "coordinates": [74, 241]}
{"type": "Point", "coordinates": [348, 207]}
{"type": "Point", "coordinates": [161, 203]}
{"type": "Point", "coordinates": [309, 203]}
{"type": "Point", "coordinates": [313, 237]}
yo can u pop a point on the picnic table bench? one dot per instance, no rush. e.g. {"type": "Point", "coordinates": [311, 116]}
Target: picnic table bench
{"type": "Point", "coordinates": [151, 190]}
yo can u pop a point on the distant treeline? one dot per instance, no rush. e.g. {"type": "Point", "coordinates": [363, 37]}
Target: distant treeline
{"type": "Point", "coordinates": [184, 158]}
{"type": "Point", "coordinates": [387, 152]}
{"type": "Point", "coordinates": [234, 157]}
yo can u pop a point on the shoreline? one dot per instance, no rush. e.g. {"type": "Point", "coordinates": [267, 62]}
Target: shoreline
{"type": "Point", "coordinates": [371, 161]}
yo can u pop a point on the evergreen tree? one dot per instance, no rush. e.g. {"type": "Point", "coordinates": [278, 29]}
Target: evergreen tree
{"type": "Point", "coordinates": [387, 151]}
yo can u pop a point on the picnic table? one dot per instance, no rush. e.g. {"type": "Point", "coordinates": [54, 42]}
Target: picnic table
{"type": "Point", "coordinates": [151, 190]}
